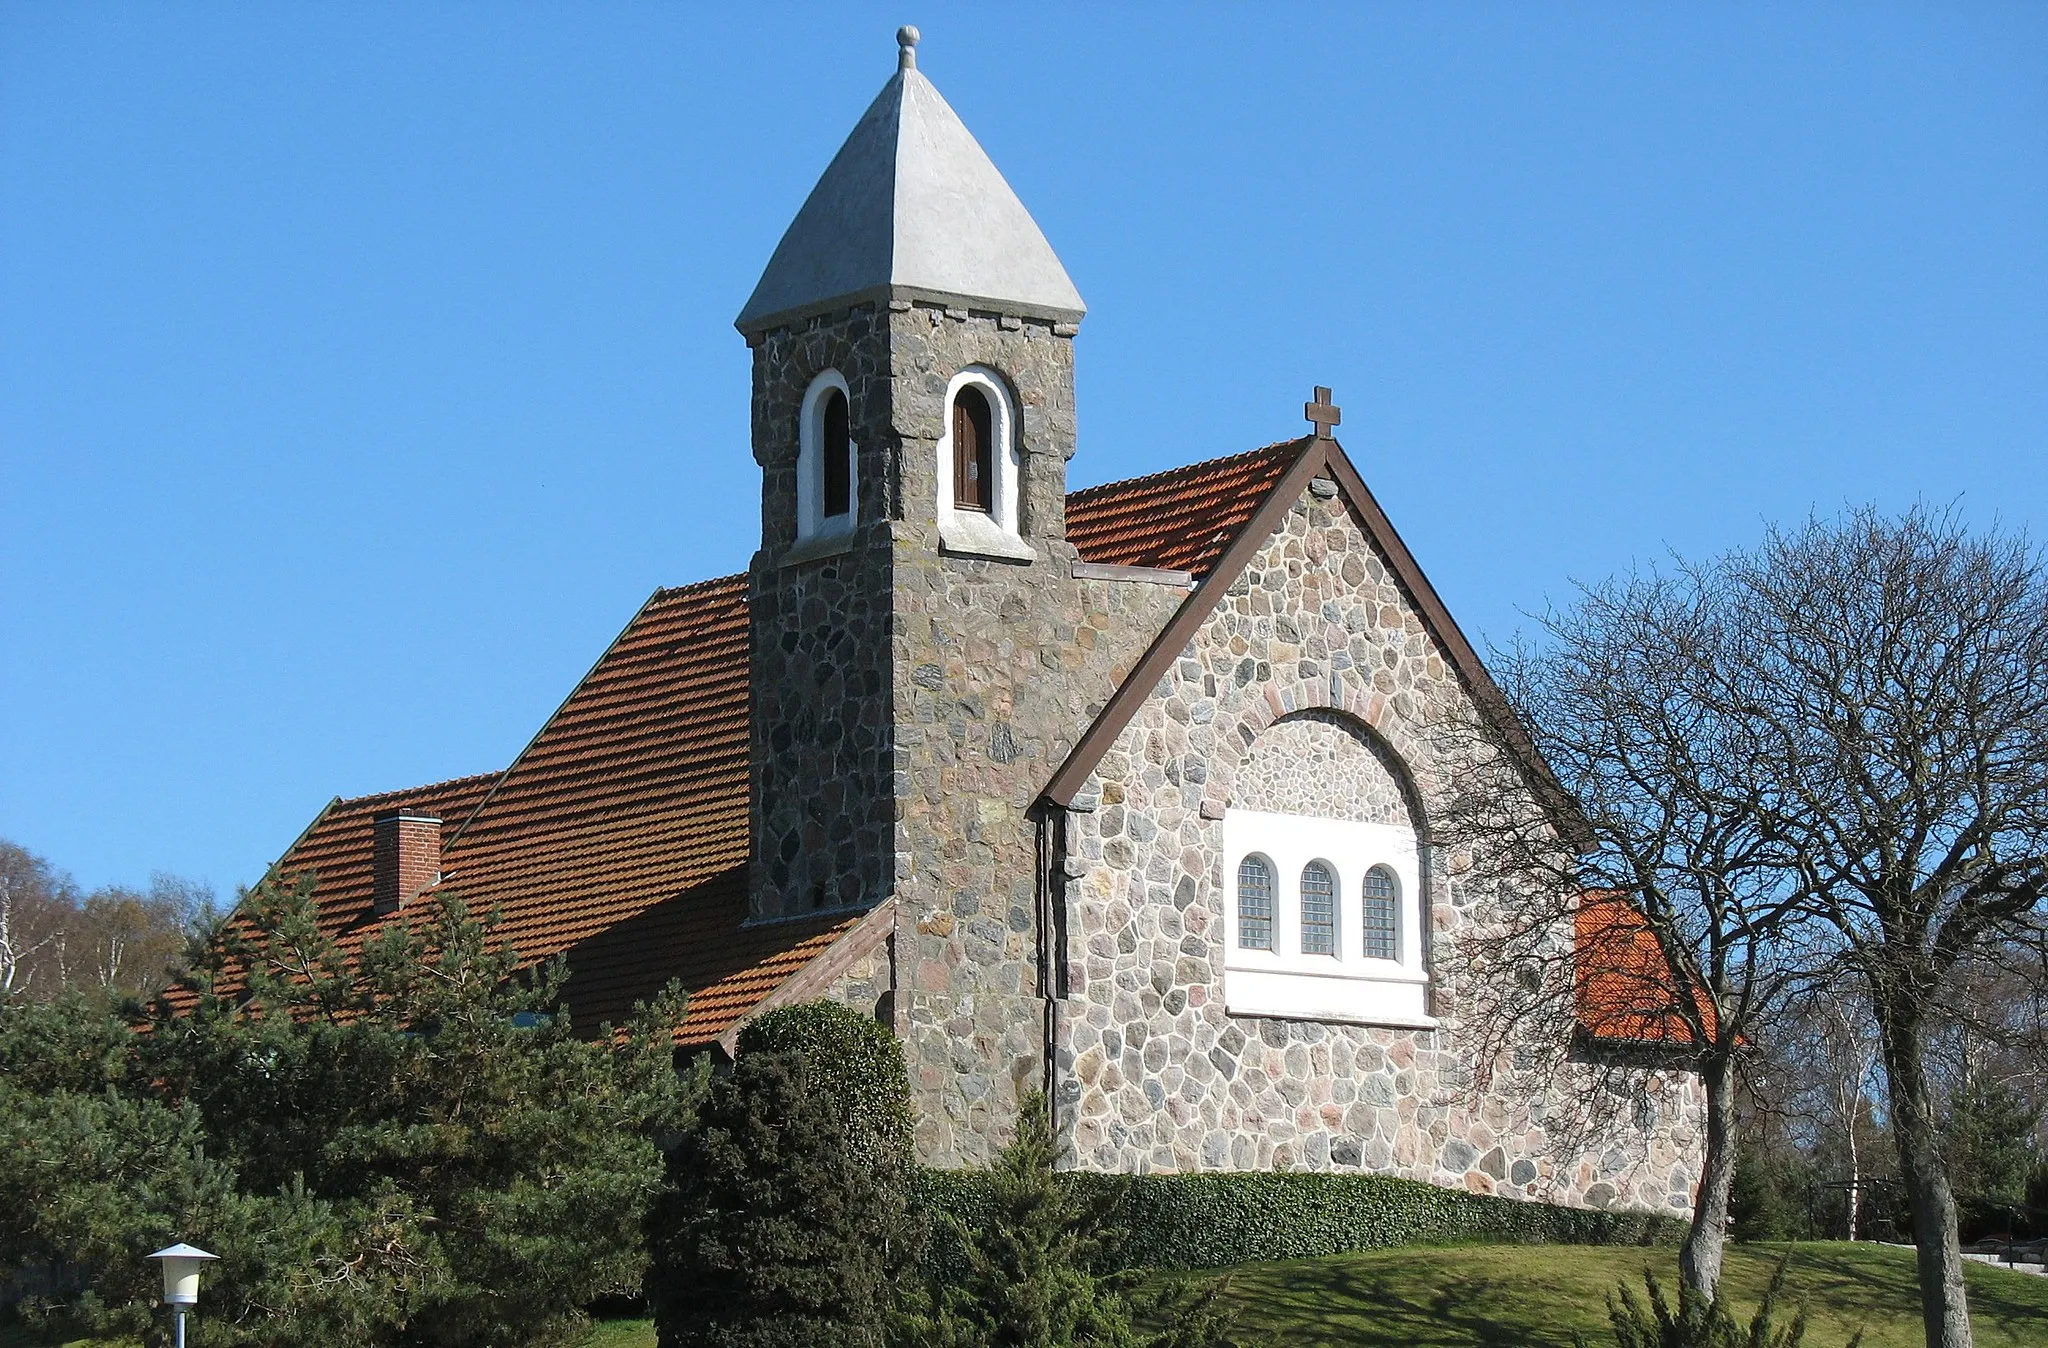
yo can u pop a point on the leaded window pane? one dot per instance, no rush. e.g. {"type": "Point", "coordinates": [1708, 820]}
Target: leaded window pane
{"type": "Point", "coordinates": [1382, 915]}
{"type": "Point", "coordinates": [1318, 909]}
{"type": "Point", "coordinates": [1255, 903]}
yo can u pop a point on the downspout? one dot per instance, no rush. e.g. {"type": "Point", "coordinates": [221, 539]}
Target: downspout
{"type": "Point", "coordinates": [1052, 943]}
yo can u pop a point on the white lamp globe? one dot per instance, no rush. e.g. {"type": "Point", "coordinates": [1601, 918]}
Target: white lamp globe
{"type": "Point", "coordinates": [181, 1273]}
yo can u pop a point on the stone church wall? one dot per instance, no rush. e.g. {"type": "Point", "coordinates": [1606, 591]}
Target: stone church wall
{"type": "Point", "coordinates": [1154, 1075]}
{"type": "Point", "coordinates": [999, 668]}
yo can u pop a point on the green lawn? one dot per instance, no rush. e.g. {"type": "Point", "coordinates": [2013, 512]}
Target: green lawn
{"type": "Point", "coordinates": [1534, 1296]}
{"type": "Point", "coordinates": [1514, 1295]}
{"type": "Point", "coordinates": [1523, 1296]}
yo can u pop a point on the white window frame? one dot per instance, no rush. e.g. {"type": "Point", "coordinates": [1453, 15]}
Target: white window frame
{"type": "Point", "coordinates": [995, 533]}
{"type": "Point", "coordinates": [811, 522]}
{"type": "Point", "coordinates": [1348, 986]}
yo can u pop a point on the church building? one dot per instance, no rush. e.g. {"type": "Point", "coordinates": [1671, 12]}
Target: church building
{"type": "Point", "coordinates": [1122, 794]}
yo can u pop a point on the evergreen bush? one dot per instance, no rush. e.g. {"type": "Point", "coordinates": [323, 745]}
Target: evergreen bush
{"type": "Point", "coordinates": [785, 1222]}
{"type": "Point", "coordinates": [1699, 1321]}
{"type": "Point", "coordinates": [410, 1145]}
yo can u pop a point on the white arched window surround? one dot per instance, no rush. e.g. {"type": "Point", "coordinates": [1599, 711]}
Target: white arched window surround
{"type": "Point", "coordinates": [1347, 984]}
{"type": "Point", "coordinates": [811, 521]}
{"type": "Point", "coordinates": [996, 533]}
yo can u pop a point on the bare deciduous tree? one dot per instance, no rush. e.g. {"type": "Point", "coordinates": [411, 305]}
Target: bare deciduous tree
{"type": "Point", "coordinates": [114, 939]}
{"type": "Point", "coordinates": [35, 909]}
{"type": "Point", "coordinates": [1897, 671]}
{"type": "Point", "coordinates": [1659, 914]}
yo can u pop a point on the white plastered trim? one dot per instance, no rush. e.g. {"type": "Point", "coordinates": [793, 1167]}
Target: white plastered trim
{"type": "Point", "coordinates": [994, 534]}
{"type": "Point", "coordinates": [1347, 986]}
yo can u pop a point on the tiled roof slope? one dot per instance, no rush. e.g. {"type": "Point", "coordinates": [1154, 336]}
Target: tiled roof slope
{"type": "Point", "coordinates": [1179, 520]}
{"type": "Point", "coordinates": [1624, 987]}
{"type": "Point", "coordinates": [619, 836]}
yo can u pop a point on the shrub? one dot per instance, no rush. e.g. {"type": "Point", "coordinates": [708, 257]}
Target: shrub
{"type": "Point", "coordinates": [853, 1059]}
{"type": "Point", "coordinates": [785, 1220]}
{"type": "Point", "coordinates": [1699, 1321]}
{"type": "Point", "coordinates": [1029, 1270]}
{"type": "Point", "coordinates": [1216, 1220]}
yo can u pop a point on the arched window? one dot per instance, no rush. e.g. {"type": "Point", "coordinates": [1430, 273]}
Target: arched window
{"type": "Point", "coordinates": [1255, 903]}
{"type": "Point", "coordinates": [1382, 914]}
{"type": "Point", "coordinates": [827, 471]}
{"type": "Point", "coordinates": [835, 447]}
{"type": "Point", "coordinates": [1318, 909]}
{"type": "Point", "coordinates": [974, 440]}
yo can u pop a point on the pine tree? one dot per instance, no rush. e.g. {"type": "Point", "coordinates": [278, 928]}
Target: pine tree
{"type": "Point", "coordinates": [409, 1146]}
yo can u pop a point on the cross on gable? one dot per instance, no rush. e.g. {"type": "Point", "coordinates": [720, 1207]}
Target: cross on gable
{"type": "Point", "coordinates": [1322, 412]}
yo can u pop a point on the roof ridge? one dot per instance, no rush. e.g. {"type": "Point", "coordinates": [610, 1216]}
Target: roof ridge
{"type": "Point", "coordinates": [1167, 474]}
{"type": "Point", "coordinates": [666, 592]}
{"type": "Point", "coordinates": [344, 802]}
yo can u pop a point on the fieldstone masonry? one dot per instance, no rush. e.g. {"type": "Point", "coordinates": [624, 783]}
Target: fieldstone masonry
{"type": "Point", "coordinates": [1309, 690]}
{"type": "Point", "coordinates": [1322, 764]}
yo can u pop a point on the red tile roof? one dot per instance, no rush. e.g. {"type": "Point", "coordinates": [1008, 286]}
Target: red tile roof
{"type": "Point", "coordinates": [1624, 986]}
{"type": "Point", "coordinates": [618, 838]}
{"type": "Point", "coordinates": [1179, 520]}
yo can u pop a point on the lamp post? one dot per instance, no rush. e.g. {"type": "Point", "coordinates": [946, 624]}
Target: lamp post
{"type": "Point", "coordinates": [181, 1279]}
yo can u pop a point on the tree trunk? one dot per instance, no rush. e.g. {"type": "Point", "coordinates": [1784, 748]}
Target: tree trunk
{"type": "Point", "coordinates": [1699, 1258]}
{"type": "Point", "coordinates": [1944, 1308]}
{"type": "Point", "coordinates": [1855, 1174]}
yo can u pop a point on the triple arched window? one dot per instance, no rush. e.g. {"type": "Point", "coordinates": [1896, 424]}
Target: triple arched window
{"type": "Point", "coordinates": [1320, 909]}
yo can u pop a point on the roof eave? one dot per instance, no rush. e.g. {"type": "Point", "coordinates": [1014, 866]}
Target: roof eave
{"type": "Point", "coordinates": [754, 326]}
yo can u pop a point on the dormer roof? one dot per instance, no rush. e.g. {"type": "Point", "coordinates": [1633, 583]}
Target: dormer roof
{"type": "Point", "coordinates": [911, 208]}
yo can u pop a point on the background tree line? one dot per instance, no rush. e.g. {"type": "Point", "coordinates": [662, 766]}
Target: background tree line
{"type": "Point", "coordinates": [55, 936]}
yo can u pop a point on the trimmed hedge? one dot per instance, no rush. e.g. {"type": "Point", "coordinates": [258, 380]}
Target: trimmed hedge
{"type": "Point", "coordinates": [1219, 1220]}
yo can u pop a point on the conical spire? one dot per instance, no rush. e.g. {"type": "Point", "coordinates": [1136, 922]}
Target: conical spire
{"type": "Point", "coordinates": [911, 208]}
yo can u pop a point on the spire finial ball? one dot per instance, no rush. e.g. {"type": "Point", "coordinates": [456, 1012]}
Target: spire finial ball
{"type": "Point", "coordinates": [906, 43]}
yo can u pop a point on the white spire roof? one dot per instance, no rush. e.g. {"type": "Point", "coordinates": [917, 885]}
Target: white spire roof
{"type": "Point", "coordinates": [911, 208]}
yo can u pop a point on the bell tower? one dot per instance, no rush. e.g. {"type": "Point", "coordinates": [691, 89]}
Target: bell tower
{"type": "Point", "coordinates": [913, 414]}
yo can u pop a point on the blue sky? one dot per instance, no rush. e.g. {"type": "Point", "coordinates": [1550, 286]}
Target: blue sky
{"type": "Point", "coordinates": [362, 368]}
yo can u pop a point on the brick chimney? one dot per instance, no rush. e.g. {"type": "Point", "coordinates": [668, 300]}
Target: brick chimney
{"type": "Point", "coordinates": [406, 855]}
